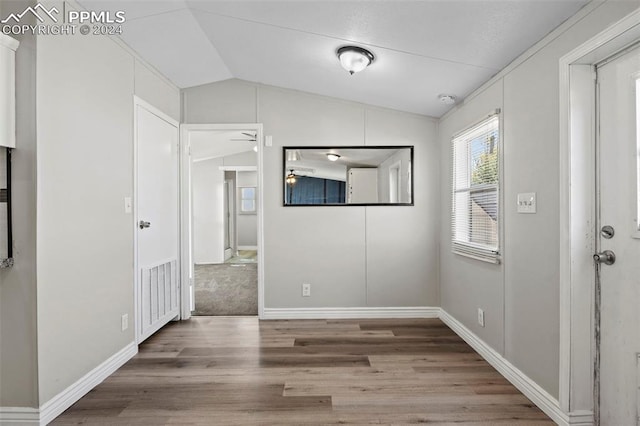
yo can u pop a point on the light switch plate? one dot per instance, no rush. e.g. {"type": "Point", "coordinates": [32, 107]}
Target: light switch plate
{"type": "Point", "coordinates": [128, 206]}
{"type": "Point", "coordinates": [527, 202]}
{"type": "Point", "coordinates": [268, 140]}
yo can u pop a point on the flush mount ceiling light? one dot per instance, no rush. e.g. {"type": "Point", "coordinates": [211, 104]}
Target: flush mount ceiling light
{"type": "Point", "coordinates": [354, 59]}
{"type": "Point", "coordinates": [447, 99]}
{"type": "Point", "coordinates": [332, 157]}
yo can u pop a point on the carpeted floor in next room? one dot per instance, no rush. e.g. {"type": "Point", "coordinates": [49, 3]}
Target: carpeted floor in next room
{"type": "Point", "coordinates": [229, 288]}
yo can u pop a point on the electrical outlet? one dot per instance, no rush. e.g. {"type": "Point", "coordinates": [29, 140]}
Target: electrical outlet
{"type": "Point", "coordinates": [306, 290]}
{"type": "Point", "coordinates": [480, 317]}
{"type": "Point", "coordinates": [125, 322]}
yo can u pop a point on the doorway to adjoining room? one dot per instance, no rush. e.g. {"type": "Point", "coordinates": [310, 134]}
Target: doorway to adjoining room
{"type": "Point", "coordinates": [224, 222]}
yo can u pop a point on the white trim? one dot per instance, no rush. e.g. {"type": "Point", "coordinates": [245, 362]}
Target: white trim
{"type": "Point", "coordinates": [9, 42]}
{"type": "Point", "coordinates": [185, 129]}
{"type": "Point", "coordinates": [247, 247]}
{"type": "Point", "coordinates": [528, 387]}
{"type": "Point", "coordinates": [579, 418]}
{"type": "Point", "coordinates": [185, 237]}
{"type": "Point", "coordinates": [346, 313]}
{"type": "Point", "coordinates": [236, 168]}
{"type": "Point", "coordinates": [22, 415]}
{"type": "Point", "coordinates": [65, 399]}
{"type": "Point", "coordinates": [138, 101]}
{"type": "Point", "coordinates": [576, 333]}
{"type": "Point", "coordinates": [490, 257]}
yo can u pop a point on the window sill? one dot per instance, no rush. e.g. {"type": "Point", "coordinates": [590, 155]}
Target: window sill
{"type": "Point", "coordinates": [493, 259]}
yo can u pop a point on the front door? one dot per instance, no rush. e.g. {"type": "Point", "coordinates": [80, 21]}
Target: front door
{"type": "Point", "coordinates": [617, 225]}
{"type": "Point", "coordinates": [157, 220]}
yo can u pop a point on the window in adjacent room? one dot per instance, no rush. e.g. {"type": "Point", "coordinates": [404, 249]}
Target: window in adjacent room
{"type": "Point", "coordinates": [248, 200]}
{"type": "Point", "coordinates": [475, 199]}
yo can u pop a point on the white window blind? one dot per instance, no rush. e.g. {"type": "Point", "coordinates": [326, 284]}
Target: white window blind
{"type": "Point", "coordinates": [475, 200]}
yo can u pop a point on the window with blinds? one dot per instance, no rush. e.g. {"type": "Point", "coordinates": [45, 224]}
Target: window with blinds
{"type": "Point", "coordinates": [475, 186]}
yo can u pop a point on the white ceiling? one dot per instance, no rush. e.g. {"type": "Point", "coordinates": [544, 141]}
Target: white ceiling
{"type": "Point", "coordinates": [314, 162]}
{"type": "Point", "coordinates": [210, 144]}
{"type": "Point", "coordinates": [423, 47]}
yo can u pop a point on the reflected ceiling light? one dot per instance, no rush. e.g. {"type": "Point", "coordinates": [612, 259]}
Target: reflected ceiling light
{"type": "Point", "coordinates": [293, 155]}
{"type": "Point", "coordinates": [332, 157]}
{"type": "Point", "coordinates": [354, 59]}
{"type": "Point", "coordinates": [255, 148]}
{"type": "Point", "coordinates": [447, 99]}
{"type": "Point", "coordinates": [291, 178]}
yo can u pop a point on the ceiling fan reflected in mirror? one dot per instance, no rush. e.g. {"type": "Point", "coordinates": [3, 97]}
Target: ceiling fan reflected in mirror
{"type": "Point", "coordinates": [298, 172]}
{"type": "Point", "coordinates": [291, 178]}
{"type": "Point", "coordinates": [250, 137]}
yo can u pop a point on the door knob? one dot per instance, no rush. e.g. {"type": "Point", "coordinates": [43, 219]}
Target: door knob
{"type": "Point", "coordinates": [607, 257]}
{"type": "Point", "coordinates": [142, 224]}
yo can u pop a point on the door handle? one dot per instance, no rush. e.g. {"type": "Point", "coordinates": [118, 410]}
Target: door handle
{"type": "Point", "coordinates": [607, 257]}
{"type": "Point", "coordinates": [142, 224]}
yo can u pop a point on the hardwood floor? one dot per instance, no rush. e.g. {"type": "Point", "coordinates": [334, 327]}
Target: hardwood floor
{"type": "Point", "coordinates": [239, 371]}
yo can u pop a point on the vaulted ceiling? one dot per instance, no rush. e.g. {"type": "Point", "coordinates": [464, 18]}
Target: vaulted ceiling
{"type": "Point", "coordinates": [422, 48]}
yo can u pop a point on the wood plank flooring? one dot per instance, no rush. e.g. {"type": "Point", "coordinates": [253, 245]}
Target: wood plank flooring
{"type": "Point", "coordinates": [239, 371]}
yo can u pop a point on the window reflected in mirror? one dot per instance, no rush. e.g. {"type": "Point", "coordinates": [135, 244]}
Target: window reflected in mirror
{"type": "Point", "coordinates": [318, 176]}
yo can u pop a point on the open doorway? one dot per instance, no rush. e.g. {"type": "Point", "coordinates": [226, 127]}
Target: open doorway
{"type": "Point", "coordinates": [223, 212]}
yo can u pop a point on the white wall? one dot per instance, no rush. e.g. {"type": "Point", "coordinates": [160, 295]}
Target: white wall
{"type": "Point", "coordinates": [384, 181]}
{"type": "Point", "coordinates": [352, 256]}
{"type": "Point", "coordinates": [207, 192]}
{"type": "Point", "coordinates": [520, 297]}
{"type": "Point", "coordinates": [18, 334]}
{"type": "Point", "coordinates": [247, 223]}
{"type": "Point", "coordinates": [85, 169]}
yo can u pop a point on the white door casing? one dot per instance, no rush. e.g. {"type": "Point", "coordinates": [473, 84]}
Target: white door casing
{"type": "Point", "coordinates": [186, 210]}
{"type": "Point", "coordinates": [157, 226]}
{"type": "Point", "coordinates": [618, 207]}
{"type": "Point", "coordinates": [577, 88]}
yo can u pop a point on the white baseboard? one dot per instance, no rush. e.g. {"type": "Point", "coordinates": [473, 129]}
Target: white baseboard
{"type": "Point", "coordinates": [547, 403]}
{"type": "Point", "coordinates": [65, 399]}
{"type": "Point", "coordinates": [579, 418]}
{"type": "Point", "coordinates": [247, 247]}
{"type": "Point", "coordinates": [19, 415]}
{"type": "Point", "coordinates": [349, 313]}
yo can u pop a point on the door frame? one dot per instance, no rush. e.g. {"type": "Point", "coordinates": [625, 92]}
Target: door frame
{"type": "Point", "coordinates": [185, 219]}
{"type": "Point", "coordinates": [137, 297]}
{"type": "Point", "coordinates": [230, 226]}
{"type": "Point", "coordinates": [230, 188]}
{"type": "Point", "coordinates": [577, 214]}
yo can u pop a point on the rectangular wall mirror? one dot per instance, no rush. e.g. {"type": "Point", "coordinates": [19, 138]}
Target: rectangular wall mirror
{"type": "Point", "coordinates": [348, 175]}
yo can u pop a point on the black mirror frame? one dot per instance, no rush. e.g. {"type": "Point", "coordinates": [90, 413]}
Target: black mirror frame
{"type": "Point", "coordinates": [284, 184]}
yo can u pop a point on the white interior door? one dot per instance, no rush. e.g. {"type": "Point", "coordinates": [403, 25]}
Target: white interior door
{"type": "Point", "coordinates": [618, 208]}
{"type": "Point", "coordinates": [157, 219]}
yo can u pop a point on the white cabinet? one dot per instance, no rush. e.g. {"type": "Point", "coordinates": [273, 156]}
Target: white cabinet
{"type": "Point", "coordinates": [362, 186]}
{"type": "Point", "coordinates": [8, 48]}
